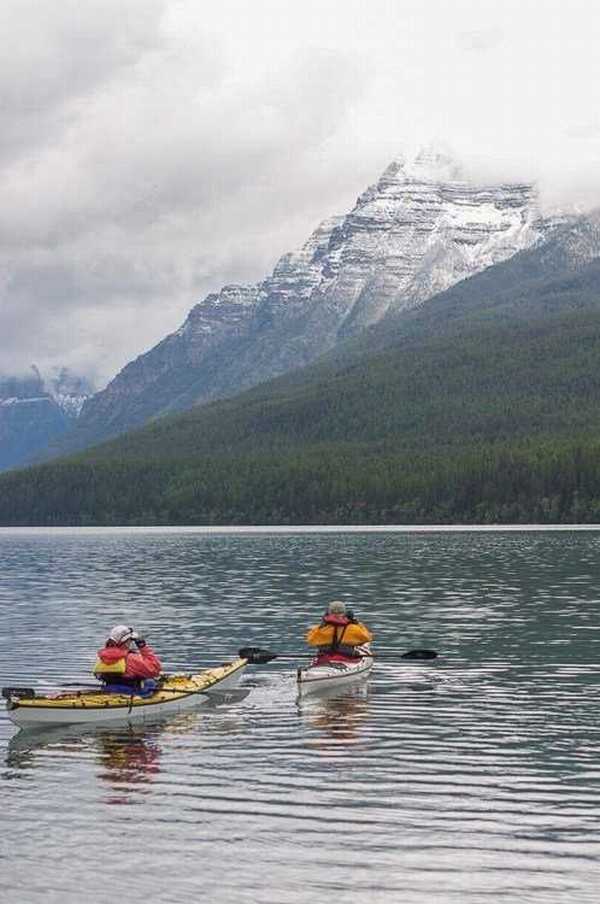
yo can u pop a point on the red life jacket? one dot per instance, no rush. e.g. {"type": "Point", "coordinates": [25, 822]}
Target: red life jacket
{"type": "Point", "coordinates": [339, 623]}
{"type": "Point", "coordinates": [138, 665]}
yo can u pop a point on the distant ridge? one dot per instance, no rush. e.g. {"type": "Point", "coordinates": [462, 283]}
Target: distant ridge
{"type": "Point", "coordinates": [35, 411]}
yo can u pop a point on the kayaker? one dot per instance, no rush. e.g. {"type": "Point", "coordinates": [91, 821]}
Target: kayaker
{"type": "Point", "coordinates": [339, 632]}
{"type": "Point", "coordinates": [126, 659]}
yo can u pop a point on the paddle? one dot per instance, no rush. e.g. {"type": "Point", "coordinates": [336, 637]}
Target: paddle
{"type": "Point", "coordinates": [257, 656]}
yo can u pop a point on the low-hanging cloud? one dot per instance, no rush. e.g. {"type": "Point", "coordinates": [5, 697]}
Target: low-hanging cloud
{"type": "Point", "coordinates": [153, 150]}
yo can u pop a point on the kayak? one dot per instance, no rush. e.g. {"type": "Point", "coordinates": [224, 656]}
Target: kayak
{"type": "Point", "coordinates": [333, 670]}
{"type": "Point", "coordinates": [175, 693]}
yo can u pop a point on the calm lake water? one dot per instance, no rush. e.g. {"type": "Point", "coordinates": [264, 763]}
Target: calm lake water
{"type": "Point", "coordinates": [476, 779]}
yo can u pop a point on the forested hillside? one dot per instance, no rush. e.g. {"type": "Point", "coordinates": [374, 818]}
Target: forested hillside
{"type": "Point", "coordinates": [484, 405]}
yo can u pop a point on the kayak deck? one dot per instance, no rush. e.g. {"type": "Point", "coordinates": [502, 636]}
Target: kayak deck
{"type": "Point", "coordinates": [176, 692]}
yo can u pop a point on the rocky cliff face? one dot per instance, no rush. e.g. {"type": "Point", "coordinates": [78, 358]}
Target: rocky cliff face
{"type": "Point", "coordinates": [34, 412]}
{"type": "Point", "coordinates": [420, 229]}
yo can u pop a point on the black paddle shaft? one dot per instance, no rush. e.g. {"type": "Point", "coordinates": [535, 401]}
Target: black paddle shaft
{"type": "Point", "coordinates": [257, 656]}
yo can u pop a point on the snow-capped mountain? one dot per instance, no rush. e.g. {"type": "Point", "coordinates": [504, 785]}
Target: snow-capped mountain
{"type": "Point", "coordinates": [35, 411]}
{"type": "Point", "coordinates": [420, 229]}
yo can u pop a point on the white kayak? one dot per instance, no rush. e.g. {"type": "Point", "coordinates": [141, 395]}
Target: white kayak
{"type": "Point", "coordinates": [176, 693]}
{"type": "Point", "coordinates": [334, 671]}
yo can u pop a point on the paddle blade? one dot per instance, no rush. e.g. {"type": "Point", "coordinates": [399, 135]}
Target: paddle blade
{"type": "Point", "coordinates": [419, 654]}
{"type": "Point", "coordinates": [27, 693]}
{"type": "Point", "coordinates": [233, 695]}
{"type": "Point", "coordinates": [256, 656]}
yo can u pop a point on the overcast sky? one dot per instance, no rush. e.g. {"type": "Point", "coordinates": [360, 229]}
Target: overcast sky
{"type": "Point", "coordinates": [153, 150]}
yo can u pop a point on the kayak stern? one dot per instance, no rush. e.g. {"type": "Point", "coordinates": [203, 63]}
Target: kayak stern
{"type": "Point", "coordinates": [335, 673]}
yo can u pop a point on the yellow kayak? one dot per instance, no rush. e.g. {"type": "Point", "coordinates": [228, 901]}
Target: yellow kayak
{"type": "Point", "coordinates": [88, 707]}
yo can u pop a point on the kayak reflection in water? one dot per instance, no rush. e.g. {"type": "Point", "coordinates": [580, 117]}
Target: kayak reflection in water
{"type": "Point", "coordinates": [339, 632]}
{"type": "Point", "coordinates": [128, 758]}
{"type": "Point", "coordinates": [338, 718]}
{"type": "Point", "coordinates": [127, 662]}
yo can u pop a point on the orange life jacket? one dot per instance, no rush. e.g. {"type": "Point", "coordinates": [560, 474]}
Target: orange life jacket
{"type": "Point", "coordinates": [336, 632]}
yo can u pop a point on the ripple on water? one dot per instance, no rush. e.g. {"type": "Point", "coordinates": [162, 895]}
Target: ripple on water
{"type": "Point", "coordinates": [471, 779]}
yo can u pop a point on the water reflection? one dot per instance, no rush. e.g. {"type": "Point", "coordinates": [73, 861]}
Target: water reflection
{"type": "Point", "coordinates": [335, 716]}
{"type": "Point", "coordinates": [127, 755]}
{"type": "Point", "coordinates": [131, 759]}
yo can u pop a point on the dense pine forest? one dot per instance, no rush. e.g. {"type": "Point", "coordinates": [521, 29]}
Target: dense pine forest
{"type": "Point", "coordinates": [545, 482]}
{"type": "Point", "coordinates": [482, 406]}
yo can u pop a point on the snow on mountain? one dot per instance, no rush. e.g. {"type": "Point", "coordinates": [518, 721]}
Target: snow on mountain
{"type": "Point", "coordinates": [68, 390]}
{"type": "Point", "coordinates": [420, 229]}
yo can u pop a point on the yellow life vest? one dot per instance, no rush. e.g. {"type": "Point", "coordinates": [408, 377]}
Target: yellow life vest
{"type": "Point", "coordinates": [354, 634]}
{"type": "Point", "coordinates": [110, 668]}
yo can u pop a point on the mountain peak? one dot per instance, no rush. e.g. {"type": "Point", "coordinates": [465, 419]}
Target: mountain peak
{"type": "Point", "coordinates": [419, 230]}
{"type": "Point", "coordinates": [430, 163]}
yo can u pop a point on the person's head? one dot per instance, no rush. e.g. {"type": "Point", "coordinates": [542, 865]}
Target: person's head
{"type": "Point", "coordinates": [120, 636]}
{"type": "Point", "coordinates": [336, 607]}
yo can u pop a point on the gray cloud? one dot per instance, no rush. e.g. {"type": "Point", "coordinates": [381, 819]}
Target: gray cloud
{"type": "Point", "coordinates": [151, 151]}
{"type": "Point", "coordinates": [481, 39]}
{"type": "Point", "coordinates": [55, 53]}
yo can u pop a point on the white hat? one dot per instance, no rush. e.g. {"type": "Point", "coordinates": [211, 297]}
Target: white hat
{"type": "Point", "coordinates": [337, 607]}
{"type": "Point", "coordinates": [121, 634]}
